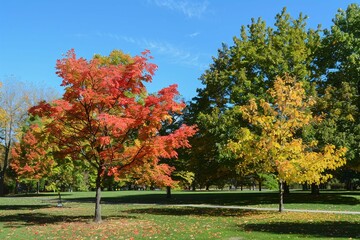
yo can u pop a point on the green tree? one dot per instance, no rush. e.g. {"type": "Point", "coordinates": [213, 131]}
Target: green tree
{"type": "Point", "coordinates": [339, 63]}
{"type": "Point", "coordinates": [275, 146]}
{"type": "Point", "coordinates": [245, 71]}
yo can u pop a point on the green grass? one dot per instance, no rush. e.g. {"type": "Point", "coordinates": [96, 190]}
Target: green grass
{"type": "Point", "coordinates": [37, 217]}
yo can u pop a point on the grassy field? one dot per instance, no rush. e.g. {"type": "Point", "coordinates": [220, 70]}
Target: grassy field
{"type": "Point", "coordinates": [37, 217]}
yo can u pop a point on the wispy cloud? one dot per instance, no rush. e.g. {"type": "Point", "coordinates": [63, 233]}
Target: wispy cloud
{"type": "Point", "coordinates": [188, 8]}
{"type": "Point", "coordinates": [192, 35]}
{"type": "Point", "coordinates": [174, 54]}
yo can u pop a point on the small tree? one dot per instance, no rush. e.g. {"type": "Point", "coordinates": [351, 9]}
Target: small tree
{"type": "Point", "coordinates": [14, 103]}
{"type": "Point", "coordinates": [273, 143]}
{"type": "Point", "coordinates": [107, 119]}
{"type": "Point", "coordinates": [31, 155]}
{"type": "Point", "coordinates": [15, 100]}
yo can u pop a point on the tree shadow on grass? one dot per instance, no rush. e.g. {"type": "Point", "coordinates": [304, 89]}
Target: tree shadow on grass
{"type": "Point", "coordinates": [189, 211]}
{"type": "Point", "coordinates": [31, 219]}
{"type": "Point", "coordinates": [31, 195]}
{"type": "Point", "coordinates": [324, 198]}
{"type": "Point", "coordinates": [240, 199]}
{"type": "Point", "coordinates": [354, 193]}
{"type": "Point", "coordinates": [310, 229]}
{"type": "Point", "coordinates": [23, 207]}
{"type": "Point", "coordinates": [225, 198]}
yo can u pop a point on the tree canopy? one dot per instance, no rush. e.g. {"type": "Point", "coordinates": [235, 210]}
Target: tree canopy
{"type": "Point", "coordinates": [276, 147]}
{"type": "Point", "coordinates": [107, 119]}
{"type": "Point", "coordinates": [325, 62]}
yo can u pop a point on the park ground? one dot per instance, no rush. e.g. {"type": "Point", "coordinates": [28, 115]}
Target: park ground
{"type": "Point", "coordinates": [150, 215]}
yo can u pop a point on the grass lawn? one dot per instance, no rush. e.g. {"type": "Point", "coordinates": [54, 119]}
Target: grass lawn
{"type": "Point", "coordinates": [37, 217]}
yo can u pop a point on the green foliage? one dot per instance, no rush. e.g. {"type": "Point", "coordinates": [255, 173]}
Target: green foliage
{"type": "Point", "coordinates": [186, 178]}
{"type": "Point", "coordinates": [326, 62]}
{"type": "Point", "coordinates": [116, 57]}
{"type": "Point", "coordinates": [269, 181]}
{"type": "Point", "coordinates": [275, 147]}
{"type": "Point", "coordinates": [339, 62]}
{"type": "Point", "coordinates": [241, 72]}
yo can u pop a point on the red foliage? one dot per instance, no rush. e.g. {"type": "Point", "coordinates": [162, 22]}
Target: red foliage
{"type": "Point", "coordinates": [29, 156]}
{"type": "Point", "coordinates": [107, 118]}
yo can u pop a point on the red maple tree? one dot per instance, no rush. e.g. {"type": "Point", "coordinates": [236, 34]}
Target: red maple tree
{"type": "Point", "coordinates": [107, 119]}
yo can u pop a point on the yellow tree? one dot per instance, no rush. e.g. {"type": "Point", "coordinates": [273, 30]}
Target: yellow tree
{"type": "Point", "coordinates": [274, 144]}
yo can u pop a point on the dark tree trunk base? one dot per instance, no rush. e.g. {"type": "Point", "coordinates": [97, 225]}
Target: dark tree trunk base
{"type": "Point", "coordinates": [60, 204]}
{"type": "Point", "coordinates": [168, 192]}
{"type": "Point", "coordinates": [315, 190]}
{"type": "Point", "coordinates": [286, 188]}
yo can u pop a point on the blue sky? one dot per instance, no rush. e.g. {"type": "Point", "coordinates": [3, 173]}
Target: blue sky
{"type": "Point", "coordinates": [182, 35]}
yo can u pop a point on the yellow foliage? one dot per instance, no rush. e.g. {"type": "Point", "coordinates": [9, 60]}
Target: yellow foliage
{"type": "Point", "coordinates": [350, 118]}
{"type": "Point", "coordinates": [277, 149]}
{"type": "Point", "coordinates": [137, 143]}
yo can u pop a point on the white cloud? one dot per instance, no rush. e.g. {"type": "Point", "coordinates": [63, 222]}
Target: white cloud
{"type": "Point", "coordinates": [172, 53]}
{"type": "Point", "coordinates": [128, 39]}
{"type": "Point", "coordinates": [188, 8]}
{"type": "Point", "coordinates": [175, 54]}
{"type": "Point", "coordinates": [192, 35]}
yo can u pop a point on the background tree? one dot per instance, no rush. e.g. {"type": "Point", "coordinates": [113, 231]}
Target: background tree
{"type": "Point", "coordinates": [14, 105]}
{"type": "Point", "coordinates": [181, 174]}
{"type": "Point", "coordinates": [273, 143]}
{"type": "Point", "coordinates": [16, 99]}
{"type": "Point", "coordinates": [339, 63]}
{"type": "Point", "coordinates": [244, 71]}
{"type": "Point", "coordinates": [35, 159]}
{"type": "Point", "coordinates": [107, 119]}
{"type": "Point", "coordinates": [31, 158]}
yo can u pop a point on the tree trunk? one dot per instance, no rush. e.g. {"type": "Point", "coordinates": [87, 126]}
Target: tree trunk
{"type": "Point", "coordinates": [2, 183]}
{"type": "Point", "coordinates": [27, 188]}
{"type": "Point", "coordinates": [98, 198]}
{"type": "Point", "coordinates": [17, 186]}
{"type": "Point", "coordinates": [111, 186]}
{"type": "Point", "coordinates": [315, 189]}
{"type": "Point", "coordinates": [286, 188]}
{"type": "Point", "coordinates": [44, 187]}
{"type": "Point", "coordinates": [3, 170]}
{"type": "Point", "coordinates": [349, 185]}
{"type": "Point", "coordinates": [281, 191]}
{"type": "Point", "coordinates": [260, 185]}
{"type": "Point", "coordinates": [38, 187]}
{"type": "Point", "coordinates": [168, 192]}
{"type": "Point", "coordinates": [60, 201]}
